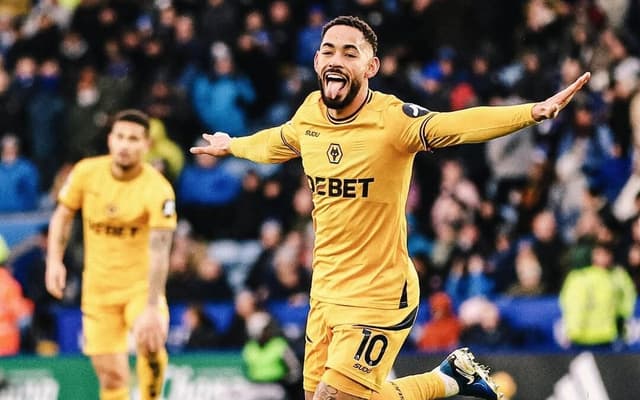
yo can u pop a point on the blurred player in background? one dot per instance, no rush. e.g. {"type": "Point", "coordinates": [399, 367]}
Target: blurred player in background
{"type": "Point", "coordinates": [357, 148]}
{"type": "Point", "coordinates": [128, 214]}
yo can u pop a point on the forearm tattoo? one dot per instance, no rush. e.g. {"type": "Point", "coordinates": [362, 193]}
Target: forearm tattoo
{"type": "Point", "coordinates": [326, 393]}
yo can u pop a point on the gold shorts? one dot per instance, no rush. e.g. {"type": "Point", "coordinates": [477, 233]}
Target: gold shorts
{"type": "Point", "coordinates": [352, 348]}
{"type": "Point", "coordinates": [106, 328]}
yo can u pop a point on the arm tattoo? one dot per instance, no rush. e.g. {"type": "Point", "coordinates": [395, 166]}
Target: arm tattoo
{"type": "Point", "coordinates": [159, 246]}
{"type": "Point", "coordinates": [160, 240]}
{"type": "Point", "coordinates": [326, 393]}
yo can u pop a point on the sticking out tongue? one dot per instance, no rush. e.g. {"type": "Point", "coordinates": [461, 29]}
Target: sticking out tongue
{"type": "Point", "coordinates": [333, 87]}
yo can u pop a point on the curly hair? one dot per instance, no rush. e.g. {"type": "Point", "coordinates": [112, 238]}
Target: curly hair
{"type": "Point", "coordinates": [355, 22]}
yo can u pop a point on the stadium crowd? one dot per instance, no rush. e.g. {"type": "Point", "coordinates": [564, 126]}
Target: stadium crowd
{"type": "Point", "coordinates": [510, 217]}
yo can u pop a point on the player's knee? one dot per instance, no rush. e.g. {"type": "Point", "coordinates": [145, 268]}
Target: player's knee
{"type": "Point", "coordinates": [324, 391]}
{"type": "Point", "coordinates": [112, 377]}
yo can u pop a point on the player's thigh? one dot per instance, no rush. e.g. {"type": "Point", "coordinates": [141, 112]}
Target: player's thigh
{"type": "Point", "coordinates": [112, 370]}
{"type": "Point", "coordinates": [104, 329]}
{"type": "Point", "coordinates": [362, 352]}
{"type": "Point", "coordinates": [317, 338]}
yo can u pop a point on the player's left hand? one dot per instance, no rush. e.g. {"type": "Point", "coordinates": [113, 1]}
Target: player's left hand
{"type": "Point", "coordinates": [551, 107]}
{"type": "Point", "coordinates": [150, 330]}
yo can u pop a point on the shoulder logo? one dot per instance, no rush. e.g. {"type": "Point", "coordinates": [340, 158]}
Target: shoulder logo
{"type": "Point", "coordinates": [334, 153]}
{"type": "Point", "coordinates": [413, 110]}
{"type": "Point", "coordinates": [168, 208]}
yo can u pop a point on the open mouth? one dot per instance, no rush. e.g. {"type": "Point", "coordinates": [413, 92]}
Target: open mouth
{"type": "Point", "coordinates": [334, 82]}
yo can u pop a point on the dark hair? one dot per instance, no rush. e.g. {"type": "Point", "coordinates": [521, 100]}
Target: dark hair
{"type": "Point", "coordinates": [355, 22]}
{"type": "Point", "coordinates": [135, 116]}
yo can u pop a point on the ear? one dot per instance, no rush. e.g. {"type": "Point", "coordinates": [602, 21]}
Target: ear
{"type": "Point", "coordinates": [373, 67]}
{"type": "Point", "coordinates": [315, 63]}
{"type": "Point", "coordinates": [109, 139]}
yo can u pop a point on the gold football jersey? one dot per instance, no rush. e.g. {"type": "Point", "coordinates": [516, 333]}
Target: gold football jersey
{"type": "Point", "coordinates": [359, 170]}
{"type": "Point", "coordinates": [117, 216]}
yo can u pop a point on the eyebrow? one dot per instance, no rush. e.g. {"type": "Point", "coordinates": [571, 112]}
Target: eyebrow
{"type": "Point", "coordinates": [345, 47]}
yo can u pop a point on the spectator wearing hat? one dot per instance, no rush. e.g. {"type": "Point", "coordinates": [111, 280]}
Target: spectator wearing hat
{"type": "Point", "coordinates": [442, 331]}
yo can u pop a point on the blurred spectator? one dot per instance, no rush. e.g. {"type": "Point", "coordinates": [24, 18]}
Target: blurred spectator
{"type": "Point", "coordinates": [585, 236]}
{"type": "Point", "coordinates": [187, 53]}
{"type": "Point", "coordinates": [21, 90]}
{"type": "Point", "coordinates": [468, 279]}
{"type": "Point", "coordinates": [42, 27]}
{"type": "Point", "coordinates": [255, 57]}
{"type": "Point", "coordinates": [164, 150]}
{"type": "Point", "coordinates": [19, 178]}
{"type": "Point", "coordinates": [392, 78]}
{"type": "Point", "coordinates": [6, 117]}
{"type": "Point", "coordinates": [458, 197]}
{"type": "Point", "coordinates": [202, 332]}
{"type": "Point", "coordinates": [45, 121]}
{"type": "Point", "coordinates": [529, 275]}
{"type": "Point", "coordinates": [597, 301]}
{"type": "Point", "coordinates": [483, 326]}
{"type": "Point", "coordinates": [288, 279]}
{"type": "Point", "coordinates": [219, 21]}
{"type": "Point", "coordinates": [248, 210]}
{"type": "Point", "coordinates": [549, 248]}
{"type": "Point", "coordinates": [270, 239]}
{"type": "Point", "coordinates": [15, 309]}
{"type": "Point", "coordinates": [268, 358]}
{"type": "Point", "coordinates": [85, 118]}
{"type": "Point", "coordinates": [624, 77]}
{"type": "Point", "coordinates": [534, 194]}
{"type": "Point", "coordinates": [500, 262]}
{"type": "Point", "coordinates": [633, 264]}
{"type": "Point", "coordinates": [28, 264]}
{"type": "Point", "coordinates": [205, 191]}
{"type": "Point", "coordinates": [201, 278]}
{"type": "Point", "coordinates": [309, 36]}
{"type": "Point", "coordinates": [164, 102]}
{"type": "Point", "coordinates": [221, 95]}
{"type": "Point", "coordinates": [585, 144]}
{"type": "Point", "coordinates": [509, 159]}
{"type": "Point", "coordinates": [442, 331]}
{"type": "Point", "coordinates": [246, 305]}
{"type": "Point", "coordinates": [533, 85]}
{"type": "Point", "coordinates": [302, 208]}
{"type": "Point", "coordinates": [282, 29]}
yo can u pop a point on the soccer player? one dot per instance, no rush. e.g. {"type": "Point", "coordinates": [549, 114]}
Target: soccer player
{"type": "Point", "coordinates": [128, 218]}
{"type": "Point", "coordinates": [357, 148]}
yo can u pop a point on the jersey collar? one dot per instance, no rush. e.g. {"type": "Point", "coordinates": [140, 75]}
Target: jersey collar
{"type": "Point", "coordinates": [351, 117]}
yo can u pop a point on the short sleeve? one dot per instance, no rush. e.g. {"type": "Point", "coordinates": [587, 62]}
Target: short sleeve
{"type": "Point", "coordinates": [162, 206]}
{"type": "Point", "coordinates": [72, 192]}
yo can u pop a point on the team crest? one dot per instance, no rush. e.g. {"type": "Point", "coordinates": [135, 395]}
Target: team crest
{"type": "Point", "coordinates": [111, 210]}
{"type": "Point", "coordinates": [414, 110]}
{"type": "Point", "coordinates": [168, 208]}
{"type": "Point", "coordinates": [334, 153]}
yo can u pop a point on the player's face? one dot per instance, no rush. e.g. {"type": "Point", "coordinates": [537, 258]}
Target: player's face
{"type": "Point", "coordinates": [343, 64]}
{"type": "Point", "coordinates": [128, 143]}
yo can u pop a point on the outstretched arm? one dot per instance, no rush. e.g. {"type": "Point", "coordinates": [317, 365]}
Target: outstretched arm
{"type": "Point", "coordinates": [479, 124]}
{"type": "Point", "coordinates": [551, 107]}
{"type": "Point", "coordinates": [271, 145]}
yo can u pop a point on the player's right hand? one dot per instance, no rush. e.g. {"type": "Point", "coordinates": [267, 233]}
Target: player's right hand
{"type": "Point", "coordinates": [219, 145]}
{"type": "Point", "coordinates": [55, 278]}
